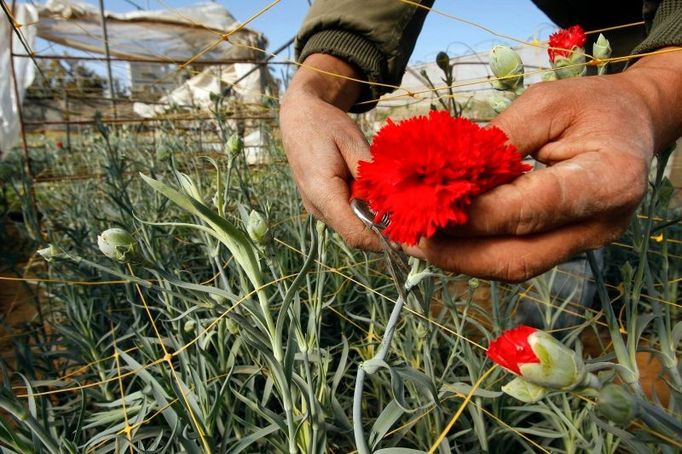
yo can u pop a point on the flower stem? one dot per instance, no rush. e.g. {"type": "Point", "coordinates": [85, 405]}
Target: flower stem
{"type": "Point", "coordinates": [618, 344]}
{"type": "Point", "coordinates": [360, 441]}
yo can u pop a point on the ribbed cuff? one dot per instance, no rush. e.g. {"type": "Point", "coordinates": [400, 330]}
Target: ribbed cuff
{"type": "Point", "coordinates": [355, 50]}
{"type": "Point", "coordinates": [666, 29]}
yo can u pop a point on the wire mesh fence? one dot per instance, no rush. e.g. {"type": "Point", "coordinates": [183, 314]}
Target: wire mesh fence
{"type": "Point", "coordinates": [209, 341]}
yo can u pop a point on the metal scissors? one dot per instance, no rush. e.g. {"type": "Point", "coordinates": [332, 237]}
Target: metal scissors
{"type": "Point", "coordinates": [395, 258]}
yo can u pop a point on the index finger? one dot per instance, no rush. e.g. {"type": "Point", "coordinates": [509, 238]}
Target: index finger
{"type": "Point", "coordinates": [592, 183]}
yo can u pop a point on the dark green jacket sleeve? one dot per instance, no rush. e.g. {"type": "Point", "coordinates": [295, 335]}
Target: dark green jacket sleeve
{"type": "Point", "coordinates": [664, 24]}
{"type": "Point", "coordinates": [377, 36]}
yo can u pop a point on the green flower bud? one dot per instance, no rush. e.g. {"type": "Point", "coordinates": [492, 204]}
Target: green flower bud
{"type": "Point", "coordinates": [617, 404]}
{"type": "Point", "coordinates": [257, 227]}
{"type": "Point", "coordinates": [567, 67]}
{"type": "Point", "coordinates": [188, 186]}
{"type": "Point", "coordinates": [49, 253]}
{"type": "Point", "coordinates": [234, 145]}
{"type": "Point", "coordinates": [189, 326]}
{"type": "Point", "coordinates": [232, 326]}
{"type": "Point", "coordinates": [118, 244]}
{"type": "Point", "coordinates": [443, 61]}
{"type": "Point", "coordinates": [601, 49]}
{"type": "Point", "coordinates": [506, 65]}
{"type": "Point", "coordinates": [558, 368]}
{"type": "Point", "coordinates": [499, 103]}
{"type": "Point", "coordinates": [549, 76]}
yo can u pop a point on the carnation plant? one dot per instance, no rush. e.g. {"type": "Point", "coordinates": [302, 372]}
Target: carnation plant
{"type": "Point", "coordinates": [190, 305]}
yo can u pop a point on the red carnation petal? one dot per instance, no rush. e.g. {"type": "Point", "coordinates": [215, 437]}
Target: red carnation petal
{"type": "Point", "coordinates": [562, 42]}
{"type": "Point", "coordinates": [512, 349]}
{"type": "Point", "coordinates": [426, 170]}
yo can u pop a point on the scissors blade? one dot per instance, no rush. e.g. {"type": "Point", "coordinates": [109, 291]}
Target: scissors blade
{"type": "Point", "coordinates": [395, 258]}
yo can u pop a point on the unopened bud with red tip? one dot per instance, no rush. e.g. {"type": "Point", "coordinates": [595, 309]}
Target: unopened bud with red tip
{"type": "Point", "coordinates": [566, 52]}
{"type": "Point", "coordinates": [538, 358]}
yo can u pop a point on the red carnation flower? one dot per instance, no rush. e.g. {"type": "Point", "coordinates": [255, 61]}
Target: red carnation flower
{"type": "Point", "coordinates": [512, 349]}
{"type": "Point", "coordinates": [60, 144]}
{"type": "Point", "coordinates": [564, 41]}
{"type": "Point", "coordinates": [426, 170]}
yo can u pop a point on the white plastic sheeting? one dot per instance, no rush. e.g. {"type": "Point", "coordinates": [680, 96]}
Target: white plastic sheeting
{"type": "Point", "coordinates": [197, 90]}
{"type": "Point", "coordinates": [173, 35]}
{"type": "Point", "coordinates": [24, 70]}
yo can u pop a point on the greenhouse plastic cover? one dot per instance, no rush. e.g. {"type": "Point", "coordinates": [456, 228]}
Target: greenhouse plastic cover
{"type": "Point", "coordinates": [24, 69]}
{"type": "Point", "coordinates": [197, 90]}
{"type": "Point", "coordinates": [174, 35]}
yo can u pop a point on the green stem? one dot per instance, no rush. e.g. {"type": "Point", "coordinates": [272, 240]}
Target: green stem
{"type": "Point", "coordinates": [612, 322]}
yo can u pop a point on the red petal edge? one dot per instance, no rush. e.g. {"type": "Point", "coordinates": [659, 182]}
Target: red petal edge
{"type": "Point", "coordinates": [512, 349]}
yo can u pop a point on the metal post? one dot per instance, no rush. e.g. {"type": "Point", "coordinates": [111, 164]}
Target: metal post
{"type": "Point", "coordinates": [105, 35]}
{"type": "Point", "coordinates": [67, 118]}
{"type": "Point", "coordinates": [27, 158]}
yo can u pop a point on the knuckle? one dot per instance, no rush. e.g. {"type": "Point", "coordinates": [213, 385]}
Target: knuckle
{"type": "Point", "coordinates": [524, 221]}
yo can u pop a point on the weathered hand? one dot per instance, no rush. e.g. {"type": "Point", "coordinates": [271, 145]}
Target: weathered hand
{"type": "Point", "coordinates": [323, 145]}
{"type": "Point", "coordinates": [597, 135]}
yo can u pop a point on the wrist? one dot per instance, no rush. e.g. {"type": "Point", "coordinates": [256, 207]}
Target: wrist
{"type": "Point", "coordinates": [329, 79]}
{"type": "Point", "coordinates": [657, 79]}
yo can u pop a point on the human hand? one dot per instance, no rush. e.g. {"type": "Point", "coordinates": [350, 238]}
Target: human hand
{"type": "Point", "coordinates": [597, 135]}
{"type": "Point", "coordinates": [323, 145]}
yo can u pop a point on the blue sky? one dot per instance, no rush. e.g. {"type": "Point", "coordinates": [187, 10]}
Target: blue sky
{"type": "Point", "coordinates": [520, 19]}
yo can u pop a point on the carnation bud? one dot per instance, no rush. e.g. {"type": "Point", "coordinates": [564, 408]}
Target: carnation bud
{"type": "Point", "coordinates": [257, 227]}
{"type": "Point", "coordinates": [601, 50]}
{"type": "Point", "coordinates": [118, 244]}
{"type": "Point", "coordinates": [538, 358]}
{"type": "Point", "coordinates": [189, 326]}
{"type": "Point", "coordinates": [616, 404]}
{"type": "Point", "coordinates": [234, 145]}
{"type": "Point", "coordinates": [188, 186]}
{"type": "Point", "coordinates": [443, 61]}
{"type": "Point", "coordinates": [49, 253]}
{"type": "Point", "coordinates": [506, 65]}
{"type": "Point", "coordinates": [499, 103]}
{"type": "Point", "coordinates": [232, 326]}
{"type": "Point", "coordinates": [549, 76]}
{"type": "Point", "coordinates": [571, 66]}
